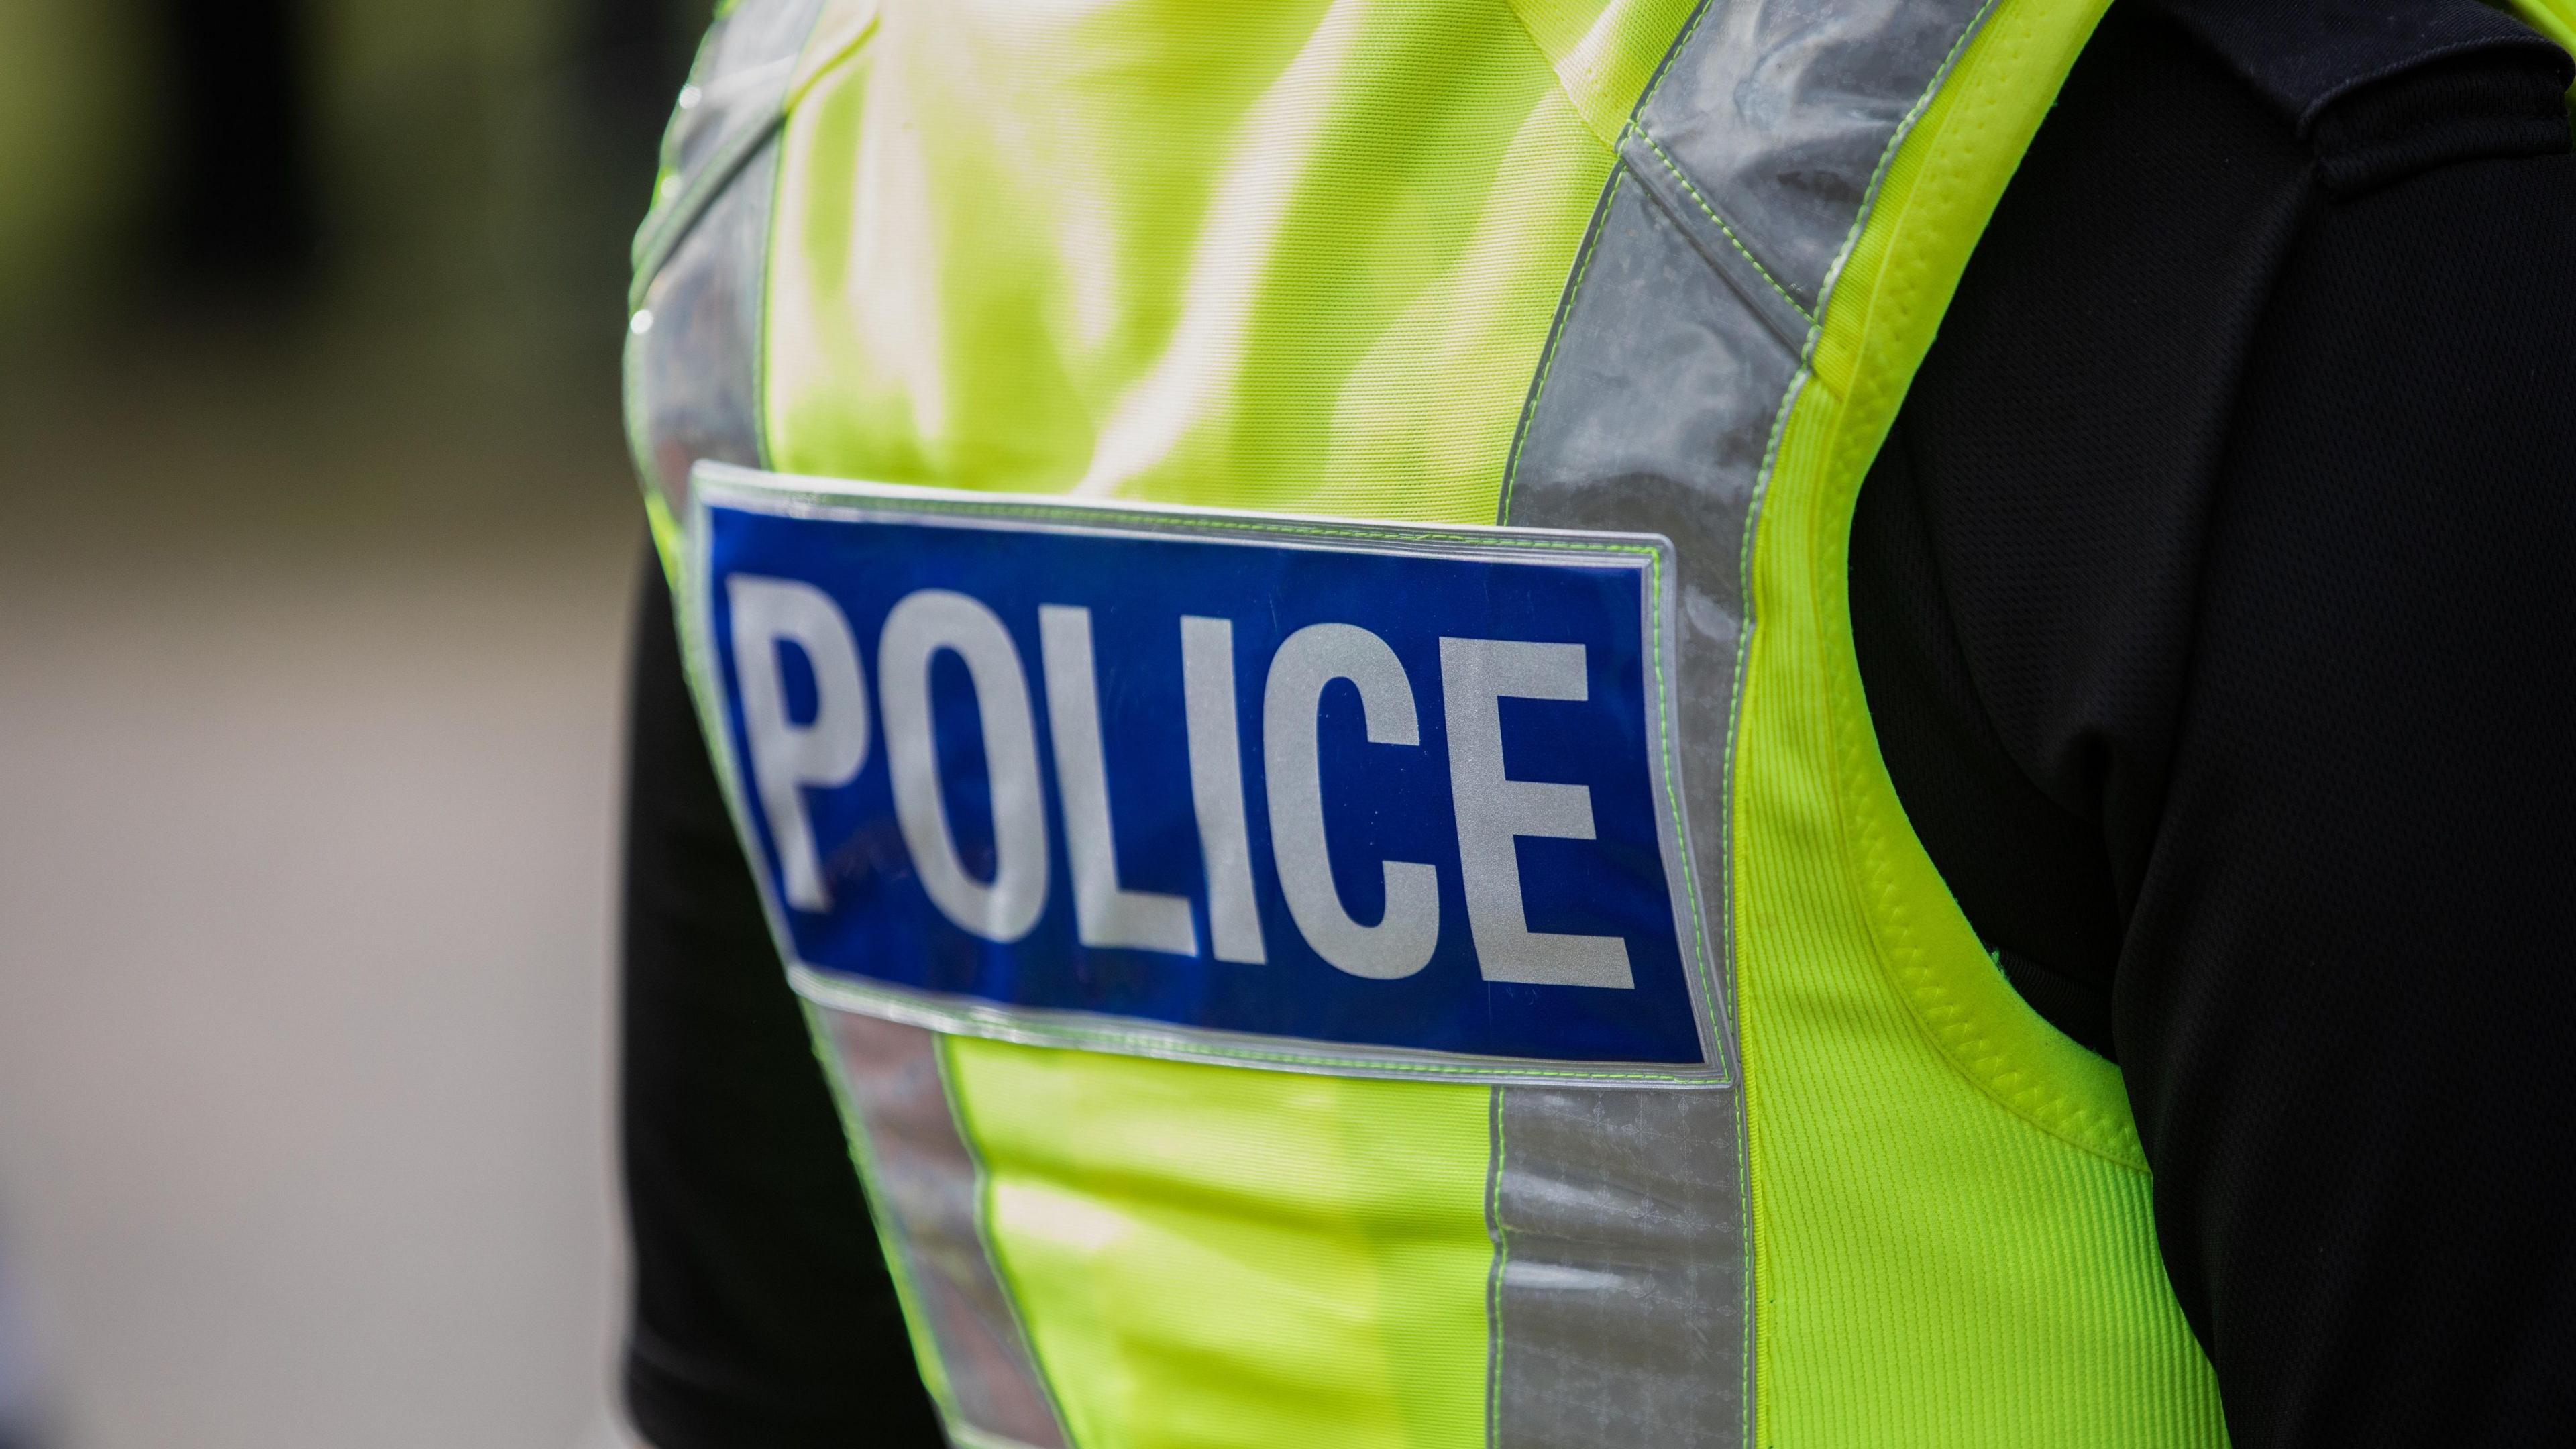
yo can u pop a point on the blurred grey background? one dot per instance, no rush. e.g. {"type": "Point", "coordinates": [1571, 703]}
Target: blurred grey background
{"type": "Point", "coordinates": [316, 547]}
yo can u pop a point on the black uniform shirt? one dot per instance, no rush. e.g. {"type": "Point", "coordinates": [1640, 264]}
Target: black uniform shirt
{"type": "Point", "coordinates": [2216, 601]}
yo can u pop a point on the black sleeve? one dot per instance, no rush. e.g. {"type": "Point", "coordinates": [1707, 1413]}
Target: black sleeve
{"type": "Point", "coordinates": [763, 1314]}
{"type": "Point", "coordinates": [2345, 999]}
{"type": "Point", "coordinates": [2216, 601]}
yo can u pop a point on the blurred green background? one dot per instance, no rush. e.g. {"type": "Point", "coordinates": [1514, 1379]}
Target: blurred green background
{"type": "Point", "coordinates": [316, 549]}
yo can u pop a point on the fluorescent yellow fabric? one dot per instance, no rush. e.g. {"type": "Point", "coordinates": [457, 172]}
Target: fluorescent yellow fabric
{"type": "Point", "coordinates": [1232, 1259]}
{"type": "Point", "coordinates": [1953, 1242]}
{"type": "Point", "coordinates": [2555, 19]}
{"type": "Point", "coordinates": [1291, 256]}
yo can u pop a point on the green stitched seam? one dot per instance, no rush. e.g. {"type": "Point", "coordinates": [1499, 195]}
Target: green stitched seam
{"type": "Point", "coordinates": [1887, 156]}
{"type": "Point", "coordinates": [1556, 333]}
{"type": "Point", "coordinates": [1744, 633]}
{"type": "Point", "coordinates": [1744, 1218]}
{"type": "Point", "coordinates": [1502, 1262]}
{"type": "Point", "coordinates": [1673, 803]}
{"type": "Point", "coordinates": [1711, 212]}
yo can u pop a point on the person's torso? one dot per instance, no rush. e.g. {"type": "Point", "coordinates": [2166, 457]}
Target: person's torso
{"type": "Point", "coordinates": [1288, 680]}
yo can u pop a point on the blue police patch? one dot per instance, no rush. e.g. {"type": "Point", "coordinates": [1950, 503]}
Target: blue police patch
{"type": "Point", "coordinates": [1312, 794]}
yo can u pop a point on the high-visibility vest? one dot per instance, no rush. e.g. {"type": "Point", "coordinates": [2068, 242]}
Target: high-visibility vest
{"type": "Point", "coordinates": [991, 329]}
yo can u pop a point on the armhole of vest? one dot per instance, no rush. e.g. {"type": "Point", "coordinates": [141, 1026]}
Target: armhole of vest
{"type": "Point", "coordinates": [1941, 189]}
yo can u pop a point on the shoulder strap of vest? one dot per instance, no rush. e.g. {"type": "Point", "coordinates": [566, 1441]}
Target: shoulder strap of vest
{"type": "Point", "coordinates": [2301, 55]}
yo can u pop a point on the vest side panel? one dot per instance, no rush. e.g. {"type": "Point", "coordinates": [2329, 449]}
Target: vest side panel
{"type": "Point", "coordinates": [1954, 1234]}
{"type": "Point", "coordinates": [1224, 1258]}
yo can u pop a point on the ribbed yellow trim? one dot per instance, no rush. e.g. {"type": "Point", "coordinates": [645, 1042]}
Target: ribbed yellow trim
{"type": "Point", "coordinates": [1953, 1228]}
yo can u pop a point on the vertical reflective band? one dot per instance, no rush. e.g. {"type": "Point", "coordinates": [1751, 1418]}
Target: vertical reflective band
{"type": "Point", "coordinates": [1104, 912]}
{"type": "Point", "coordinates": [925, 1189]}
{"type": "Point", "coordinates": [926, 624]}
{"type": "Point", "coordinates": [1495, 810]}
{"type": "Point", "coordinates": [692, 350]}
{"type": "Point", "coordinates": [1620, 1258]}
{"type": "Point", "coordinates": [1404, 937]}
{"type": "Point", "coordinates": [787, 757]}
{"type": "Point", "coordinates": [693, 342]}
{"type": "Point", "coordinates": [1216, 788]}
{"type": "Point", "coordinates": [735, 88]}
{"type": "Point", "coordinates": [1621, 1301]}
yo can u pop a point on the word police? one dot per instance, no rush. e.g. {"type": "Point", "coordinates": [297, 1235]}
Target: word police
{"type": "Point", "coordinates": [1492, 810]}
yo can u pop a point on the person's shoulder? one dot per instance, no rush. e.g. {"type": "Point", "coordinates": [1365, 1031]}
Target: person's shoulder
{"type": "Point", "coordinates": [2377, 92]}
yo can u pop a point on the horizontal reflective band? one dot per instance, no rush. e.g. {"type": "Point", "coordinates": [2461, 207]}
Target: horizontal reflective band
{"type": "Point", "coordinates": [1322, 795]}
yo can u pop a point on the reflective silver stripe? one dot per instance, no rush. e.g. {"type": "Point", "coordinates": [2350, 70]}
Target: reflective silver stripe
{"type": "Point", "coordinates": [1656, 417]}
{"type": "Point", "coordinates": [693, 343]}
{"type": "Point", "coordinates": [730, 105]}
{"type": "Point", "coordinates": [1782, 114]}
{"type": "Point", "coordinates": [1619, 1269]}
{"type": "Point", "coordinates": [693, 349]}
{"type": "Point", "coordinates": [1621, 1298]}
{"type": "Point", "coordinates": [926, 1184]}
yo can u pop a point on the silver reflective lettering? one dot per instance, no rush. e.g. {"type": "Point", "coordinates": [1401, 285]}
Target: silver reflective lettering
{"type": "Point", "coordinates": [1494, 810]}
{"type": "Point", "coordinates": [1401, 942]}
{"type": "Point", "coordinates": [1104, 912]}
{"type": "Point", "coordinates": [917, 629]}
{"type": "Point", "coordinates": [786, 758]}
{"type": "Point", "coordinates": [1216, 787]}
